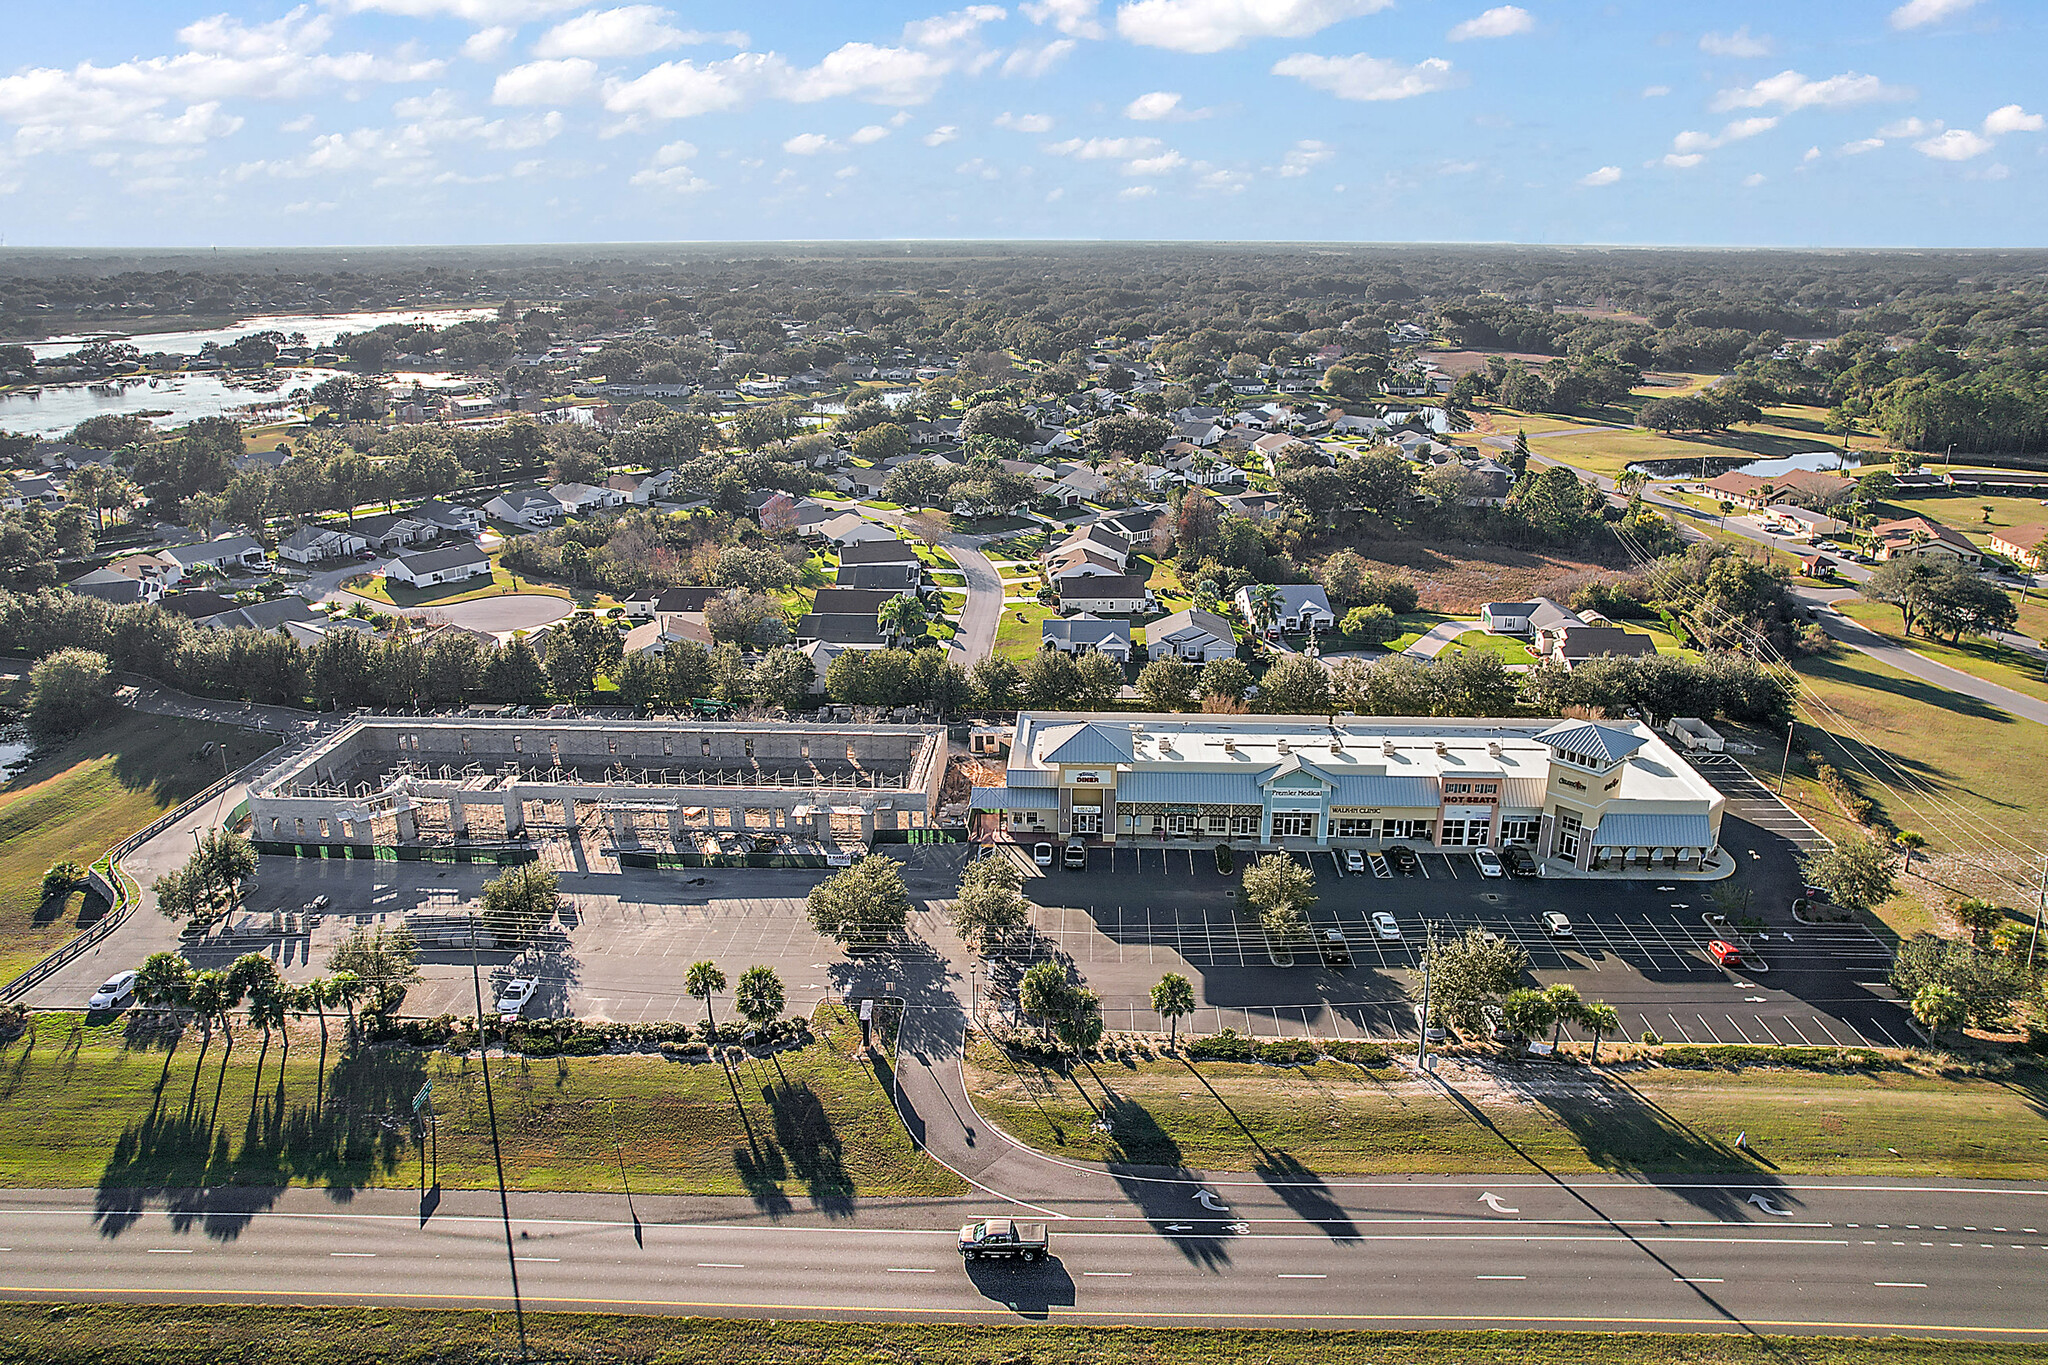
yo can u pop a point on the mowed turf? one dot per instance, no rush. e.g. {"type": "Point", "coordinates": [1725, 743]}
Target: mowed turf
{"type": "Point", "coordinates": [1334, 1118]}
{"type": "Point", "coordinates": [1977, 656]}
{"type": "Point", "coordinates": [83, 798]}
{"type": "Point", "coordinates": [88, 1106]}
{"type": "Point", "coordinates": [39, 1334]}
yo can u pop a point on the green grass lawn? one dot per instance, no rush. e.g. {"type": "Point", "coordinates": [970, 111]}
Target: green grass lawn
{"type": "Point", "coordinates": [84, 797]}
{"type": "Point", "coordinates": [1018, 636]}
{"type": "Point", "coordinates": [1335, 1118]}
{"type": "Point", "coordinates": [38, 1334]}
{"type": "Point", "coordinates": [1986, 659]}
{"type": "Point", "coordinates": [1975, 758]}
{"type": "Point", "coordinates": [1415, 625]}
{"type": "Point", "coordinates": [382, 589]}
{"type": "Point", "coordinates": [94, 1108]}
{"type": "Point", "coordinates": [1510, 648]}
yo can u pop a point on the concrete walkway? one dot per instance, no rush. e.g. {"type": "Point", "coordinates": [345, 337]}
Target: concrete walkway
{"type": "Point", "coordinates": [1433, 641]}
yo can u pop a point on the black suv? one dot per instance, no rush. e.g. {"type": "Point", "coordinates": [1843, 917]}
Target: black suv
{"type": "Point", "coordinates": [1403, 858]}
{"type": "Point", "coordinates": [1518, 861]}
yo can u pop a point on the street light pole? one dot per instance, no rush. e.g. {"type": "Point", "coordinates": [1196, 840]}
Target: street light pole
{"type": "Point", "coordinates": [1422, 1014]}
{"type": "Point", "coordinates": [483, 1041]}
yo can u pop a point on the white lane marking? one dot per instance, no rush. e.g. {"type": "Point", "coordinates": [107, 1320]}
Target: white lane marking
{"type": "Point", "coordinates": [540, 1258]}
{"type": "Point", "coordinates": [1500, 1277]}
{"type": "Point", "coordinates": [720, 1265]}
{"type": "Point", "coordinates": [1210, 1202]}
{"type": "Point", "coordinates": [1695, 1279]}
{"type": "Point", "coordinates": [912, 1270]}
{"type": "Point", "coordinates": [1895, 1284]}
{"type": "Point", "coordinates": [1105, 1274]}
{"type": "Point", "coordinates": [1492, 1201]}
{"type": "Point", "coordinates": [369, 1254]}
{"type": "Point", "coordinates": [1768, 1207]}
{"type": "Point", "coordinates": [170, 1251]}
{"type": "Point", "coordinates": [1304, 1277]}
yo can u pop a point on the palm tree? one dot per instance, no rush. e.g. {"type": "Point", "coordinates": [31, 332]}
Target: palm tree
{"type": "Point", "coordinates": [1907, 841]}
{"type": "Point", "coordinates": [1263, 603]}
{"type": "Point", "coordinates": [164, 981]}
{"type": "Point", "coordinates": [211, 997]}
{"type": "Point", "coordinates": [1602, 1018]}
{"type": "Point", "coordinates": [1173, 997]}
{"type": "Point", "coordinates": [1565, 1006]}
{"type": "Point", "coordinates": [902, 616]}
{"type": "Point", "coordinates": [344, 989]}
{"type": "Point", "coordinates": [703, 981]}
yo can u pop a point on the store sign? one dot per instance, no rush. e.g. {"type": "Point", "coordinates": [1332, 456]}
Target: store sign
{"type": "Point", "coordinates": [1355, 810]}
{"type": "Point", "coordinates": [1468, 812]}
{"type": "Point", "coordinates": [1091, 777]}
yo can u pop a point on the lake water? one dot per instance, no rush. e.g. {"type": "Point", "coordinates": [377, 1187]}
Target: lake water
{"type": "Point", "coordinates": [184, 397]}
{"type": "Point", "coordinates": [15, 746]}
{"type": "Point", "coordinates": [1762, 469]}
{"type": "Point", "coordinates": [320, 329]}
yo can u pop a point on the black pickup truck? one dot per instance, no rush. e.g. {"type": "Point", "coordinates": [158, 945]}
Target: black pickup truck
{"type": "Point", "coordinates": [995, 1238]}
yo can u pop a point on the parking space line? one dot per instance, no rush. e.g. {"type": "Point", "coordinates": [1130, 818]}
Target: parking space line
{"type": "Point", "coordinates": [1708, 1027]}
{"type": "Point", "coordinates": [1680, 1027]}
{"type": "Point", "coordinates": [1449, 866]}
{"type": "Point", "coordinates": [1793, 1024]}
{"type": "Point", "coordinates": [1767, 1029]}
{"type": "Point", "coordinates": [1822, 1025]}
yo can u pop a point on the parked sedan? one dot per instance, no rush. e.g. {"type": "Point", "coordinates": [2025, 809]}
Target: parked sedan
{"type": "Point", "coordinates": [1042, 854]}
{"type": "Point", "coordinates": [116, 991]}
{"type": "Point", "coordinates": [1403, 858]}
{"type": "Point", "coordinates": [1556, 925]}
{"type": "Point", "coordinates": [513, 999]}
{"type": "Point", "coordinates": [1385, 925]}
{"type": "Point", "coordinates": [1354, 860]}
{"type": "Point", "coordinates": [1489, 866]}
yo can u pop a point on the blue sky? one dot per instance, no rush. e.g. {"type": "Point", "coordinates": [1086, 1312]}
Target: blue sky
{"type": "Point", "coordinates": [162, 122]}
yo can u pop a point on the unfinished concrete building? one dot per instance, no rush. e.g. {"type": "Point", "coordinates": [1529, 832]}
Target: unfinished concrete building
{"type": "Point", "coordinates": [389, 780]}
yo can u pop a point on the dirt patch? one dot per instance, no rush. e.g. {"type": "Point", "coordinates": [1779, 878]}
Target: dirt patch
{"type": "Point", "coordinates": [1458, 364]}
{"type": "Point", "coordinates": [1462, 578]}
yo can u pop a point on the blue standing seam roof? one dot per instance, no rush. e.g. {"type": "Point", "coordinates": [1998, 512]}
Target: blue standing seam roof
{"type": "Point", "coordinates": [1654, 831]}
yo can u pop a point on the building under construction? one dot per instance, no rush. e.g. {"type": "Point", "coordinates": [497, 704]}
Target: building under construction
{"type": "Point", "coordinates": [401, 780]}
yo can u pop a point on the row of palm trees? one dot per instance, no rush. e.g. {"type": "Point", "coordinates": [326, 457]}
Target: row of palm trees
{"type": "Point", "coordinates": [166, 981]}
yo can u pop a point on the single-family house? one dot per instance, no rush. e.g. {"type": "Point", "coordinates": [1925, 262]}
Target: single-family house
{"type": "Point", "coordinates": [651, 602]}
{"type": "Point", "coordinates": [313, 544]}
{"type": "Point", "coordinates": [579, 498]}
{"type": "Point", "coordinates": [1924, 538]}
{"type": "Point", "coordinates": [668, 628]}
{"type": "Point", "coordinates": [1192, 636]}
{"type": "Point", "coordinates": [1572, 645]}
{"type": "Point", "coordinates": [1077, 483]}
{"type": "Point", "coordinates": [279, 613]}
{"type": "Point", "coordinates": [28, 488]}
{"type": "Point", "coordinates": [228, 552]}
{"type": "Point", "coordinates": [1087, 634]}
{"type": "Point", "coordinates": [851, 529]}
{"type": "Point", "coordinates": [450, 517]}
{"type": "Point", "coordinates": [2022, 545]}
{"type": "Point", "coordinates": [641, 489]}
{"type": "Point", "coordinates": [1526, 618]}
{"type": "Point", "coordinates": [1112, 594]}
{"type": "Point", "coordinates": [895, 578]}
{"type": "Point", "coordinates": [836, 601]}
{"type": "Point", "coordinates": [1353, 424]}
{"type": "Point", "coordinates": [851, 628]}
{"type": "Point", "coordinates": [1296, 607]}
{"type": "Point", "coordinates": [535, 507]}
{"type": "Point", "coordinates": [1258, 506]}
{"type": "Point", "coordinates": [457, 564]}
{"type": "Point", "coordinates": [121, 589]}
{"type": "Point", "coordinates": [1098, 537]}
{"type": "Point", "coordinates": [891, 551]}
{"type": "Point", "coordinates": [1280, 449]}
{"type": "Point", "coordinates": [391, 532]}
{"type": "Point", "coordinates": [775, 510]}
{"type": "Point", "coordinates": [1082, 562]}
{"type": "Point", "coordinates": [1204, 433]}
{"type": "Point", "coordinates": [1808, 521]}
{"type": "Point", "coordinates": [1487, 484]}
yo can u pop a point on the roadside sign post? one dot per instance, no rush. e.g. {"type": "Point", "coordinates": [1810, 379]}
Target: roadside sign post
{"type": "Point", "coordinates": [423, 1102]}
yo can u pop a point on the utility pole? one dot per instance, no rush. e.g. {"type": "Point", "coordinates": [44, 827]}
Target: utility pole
{"type": "Point", "coordinates": [483, 1043]}
{"type": "Point", "coordinates": [2040, 902]}
{"type": "Point", "coordinates": [1791, 727]}
{"type": "Point", "coordinates": [1422, 1014]}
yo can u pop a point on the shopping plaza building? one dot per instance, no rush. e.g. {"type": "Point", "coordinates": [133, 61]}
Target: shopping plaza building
{"type": "Point", "coordinates": [1592, 795]}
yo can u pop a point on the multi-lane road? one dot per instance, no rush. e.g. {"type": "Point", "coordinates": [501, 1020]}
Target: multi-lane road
{"type": "Point", "coordinates": [1528, 1251]}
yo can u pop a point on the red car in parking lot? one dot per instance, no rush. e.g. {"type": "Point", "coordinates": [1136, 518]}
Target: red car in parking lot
{"type": "Point", "coordinates": [1724, 954]}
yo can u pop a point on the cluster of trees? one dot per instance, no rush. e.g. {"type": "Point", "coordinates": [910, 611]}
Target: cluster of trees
{"type": "Point", "coordinates": [1063, 1007]}
{"type": "Point", "coordinates": [1941, 597]}
{"type": "Point", "coordinates": [898, 677]}
{"type": "Point", "coordinates": [372, 967]}
{"type": "Point", "coordinates": [863, 906]}
{"type": "Point", "coordinates": [1477, 971]}
{"type": "Point", "coordinates": [989, 907]}
{"type": "Point", "coordinates": [1665, 685]}
{"type": "Point", "coordinates": [759, 997]}
{"type": "Point", "coordinates": [1949, 983]}
{"type": "Point", "coordinates": [1716, 409]}
{"type": "Point", "coordinates": [68, 690]}
{"type": "Point", "coordinates": [1281, 892]}
{"type": "Point", "coordinates": [1573, 383]}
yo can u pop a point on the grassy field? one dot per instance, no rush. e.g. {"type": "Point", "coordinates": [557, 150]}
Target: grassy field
{"type": "Point", "coordinates": [1017, 637]}
{"type": "Point", "coordinates": [382, 589]}
{"type": "Point", "coordinates": [1980, 658]}
{"type": "Point", "coordinates": [804, 1125]}
{"type": "Point", "coordinates": [1334, 1118]}
{"type": "Point", "coordinates": [1510, 648]}
{"type": "Point", "coordinates": [1959, 772]}
{"type": "Point", "coordinates": [39, 1334]}
{"type": "Point", "coordinates": [84, 797]}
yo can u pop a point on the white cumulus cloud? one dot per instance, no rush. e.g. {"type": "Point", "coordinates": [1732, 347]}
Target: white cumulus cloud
{"type": "Point", "coordinates": [947, 30]}
{"type": "Point", "coordinates": [1363, 77]}
{"type": "Point", "coordinates": [675, 179]}
{"type": "Point", "coordinates": [1304, 156]}
{"type": "Point", "coordinates": [873, 132]}
{"type": "Point", "coordinates": [1790, 90]}
{"type": "Point", "coordinates": [475, 11]}
{"type": "Point", "coordinates": [1217, 25]}
{"type": "Point", "coordinates": [1682, 161]}
{"type": "Point", "coordinates": [1957, 144]}
{"type": "Point", "coordinates": [1502, 21]}
{"type": "Point", "coordinates": [940, 136]}
{"type": "Point", "coordinates": [1168, 160]}
{"type": "Point", "coordinates": [489, 44]}
{"type": "Point", "coordinates": [1652, 92]}
{"type": "Point", "coordinates": [1862, 145]}
{"type": "Point", "coordinates": [1909, 127]}
{"type": "Point", "coordinates": [1033, 62]}
{"type": "Point", "coordinates": [545, 82]}
{"type": "Point", "coordinates": [1161, 106]}
{"type": "Point", "coordinates": [1024, 123]}
{"type": "Point", "coordinates": [1605, 175]}
{"type": "Point", "coordinates": [1918, 13]}
{"type": "Point", "coordinates": [1076, 18]}
{"type": "Point", "coordinates": [1104, 148]}
{"type": "Point", "coordinates": [1741, 43]}
{"type": "Point", "coordinates": [2011, 119]}
{"type": "Point", "coordinates": [1753, 179]}
{"type": "Point", "coordinates": [1137, 192]}
{"type": "Point", "coordinates": [624, 32]}
{"type": "Point", "coordinates": [810, 144]}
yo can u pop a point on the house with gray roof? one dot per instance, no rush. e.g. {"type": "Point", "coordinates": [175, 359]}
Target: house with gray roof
{"type": "Point", "coordinates": [1087, 634]}
{"type": "Point", "coordinates": [1192, 636]}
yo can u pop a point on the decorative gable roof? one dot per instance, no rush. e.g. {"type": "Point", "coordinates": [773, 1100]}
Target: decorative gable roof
{"type": "Point", "coordinates": [1591, 742]}
{"type": "Point", "coordinates": [1085, 742]}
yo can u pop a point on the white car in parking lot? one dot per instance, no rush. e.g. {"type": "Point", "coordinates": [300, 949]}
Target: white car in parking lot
{"type": "Point", "coordinates": [1042, 854]}
{"type": "Point", "coordinates": [1489, 866]}
{"type": "Point", "coordinates": [1556, 925]}
{"type": "Point", "coordinates": [1385, 925]}
{"type": "Point", "coordinates": [1354, 861]}
{"type": "Point", "coordinates": [512, 1000]}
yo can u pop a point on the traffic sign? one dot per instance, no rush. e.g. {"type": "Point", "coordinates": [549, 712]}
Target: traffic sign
{"type": "Point", "coordinates": [419, 1101]}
